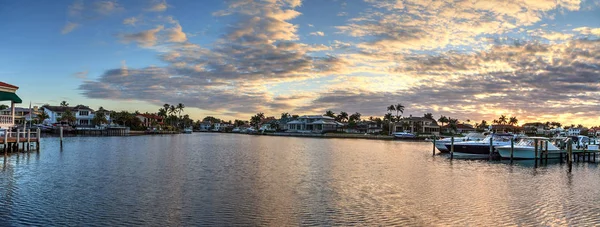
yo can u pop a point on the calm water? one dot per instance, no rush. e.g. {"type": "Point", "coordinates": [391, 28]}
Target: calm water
{"type": "Point", "coordinates": [225, 179]}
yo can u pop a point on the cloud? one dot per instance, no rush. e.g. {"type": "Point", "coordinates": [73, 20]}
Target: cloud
{"type": "Point", "coordinates": [107, 7]}
{"type": "Point", "coordinates": [81, 75]}
{"type": "Point", "coordinates": [430, 25]}
{"type": "Point", "coordinates": [76, 8]}
{"type": "Point", "coordinates": [69, 27]}
{"type": "Point", "coordinates": [158, 7]}
{"type": "Point", "coordinates": [144, 39]}
{"type": "Point", "coordinates": [588, 31]}
{"type": "Point", "coordinates": [317, 33]}
{"type": "Point", "coordinates": [176, 34]}
{"type": "Point", "coordinates": [130, 21]}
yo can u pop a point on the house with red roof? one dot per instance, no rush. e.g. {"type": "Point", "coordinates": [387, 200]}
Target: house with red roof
{"type": "Point", "coordinates": [150, 120]}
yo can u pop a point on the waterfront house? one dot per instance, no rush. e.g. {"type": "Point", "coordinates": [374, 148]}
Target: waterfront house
{"type": "Point", "coordinates": [8, 93]}
{"type": "Point", "coordinates": [505, 128]}
{"type": "Point", "coordinates": [373, 127]}
{"type": "Point", "coordinates": [150, 120]}
{"type": "Point", "coordinates": [220, 127]}
{"type": "Point", "coordinates": [83, 114]}
{"type": "Point", "coordinates": [419, 125]}
{"type": "Point", "coordinates": [594, 131]}
{"type": "Point", "coordinates": [22, 115]}
{"type": "Point", "coordinates": [460, 129]}
{"type": "Point", "coordinates": [313, 124]}
{"type": "Point", "coordinates": [573, 131]}
{"type": "Point", "coordinates": [205, 126]}
{"type": "Point", "coordinates": [269, 124]}
{"type": "Point", "coordinates": [534, 128]}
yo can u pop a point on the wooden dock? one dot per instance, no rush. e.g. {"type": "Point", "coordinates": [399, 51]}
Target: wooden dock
{"type": "Point", "coordinates": [20, 140]}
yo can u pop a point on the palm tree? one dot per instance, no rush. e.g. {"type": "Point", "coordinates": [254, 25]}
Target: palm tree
{"type": "Point", "coordinates": [389, 117]}
{"type": "Point", "coordinates": [64, 103]}
{"type": "Point", "coordinates": [180, 107]}
{"type": "Point", "coordinates": [42, 116]}
{"type": "Point", "coordinates": [502, 119]}
{"type": "Point", "coordinates": [343, 116]}
{"type": "Point", "coordinates": [443, 119]}
{"type": "Point", "coordinates": [399, 108]}
{"type": "Point", "coordinates": [2, 106]}
{"type": "Point", "coordinates": [428, 116]}
{"type": "Point", "coordinates": [99, 118]}
{"type": "Point", "coordinates": [513, 121]}
{"type": "Point", "coordinates": [285, 115]}
{"type": "Point", "coordinates": [391, 108]}
{"type": "Point", "coordinates": [329, 113]}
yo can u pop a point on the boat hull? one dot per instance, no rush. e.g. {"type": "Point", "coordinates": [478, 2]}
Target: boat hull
{"type": "Point", "coordinates": [525, 153]}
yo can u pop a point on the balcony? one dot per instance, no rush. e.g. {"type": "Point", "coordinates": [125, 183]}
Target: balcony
{"type": "Point", "coordinates": [6, 121]}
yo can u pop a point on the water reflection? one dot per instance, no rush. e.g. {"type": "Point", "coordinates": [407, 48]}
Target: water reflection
{"type": "Point", "coordinates": [225, 179]}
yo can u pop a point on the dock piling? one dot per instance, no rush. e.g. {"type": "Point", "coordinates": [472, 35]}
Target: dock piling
{"type": "Point", "coordinates": [37, 141]}
{"type": "Point", "coordinates": [570, 154]}
{"type": "Point", "coordinates": [17, 141]}
{"type": "Point", "coordinates": [491, 147]}
{"type": "Point", "coordinates": [452, 148]}
{"type": "Point", "coordinates": [434, 145]}
{"type": "Point", "coordinates": [512, 149]}
{"type": "Point", "coordinates": [61, 136]}
{"type": "Point", "coordinates": [5, 147]}
{"type": "Point", "coordinates": [535, 141]}
{"type": "Point", "coordinates": [28, 139]}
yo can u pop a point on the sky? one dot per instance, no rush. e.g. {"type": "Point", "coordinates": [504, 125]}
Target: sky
{"type": "Point", "coordinates": [538, 60]}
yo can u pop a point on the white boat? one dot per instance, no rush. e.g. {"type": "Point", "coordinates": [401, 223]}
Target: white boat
{"type": "Point", "coordinates": [584, 143]}
{"type": "Point", "coordinates": [441, 144]}
{"type": "Point", "coordinates": [404, 135]}
{"type": "Point", "coordinates": [188, 130]}
{"type": "Point", "coordinates": [525, 148]}
{"type": "Point", "coordinates": [480, 149]}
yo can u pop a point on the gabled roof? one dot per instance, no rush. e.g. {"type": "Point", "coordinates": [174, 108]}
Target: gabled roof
{"type": "Point", "coordinates": [151, 116]}
{"type": "Point", "coordinates": [65, 108]}
{"type": "Point", "coordinates": [2, 84]}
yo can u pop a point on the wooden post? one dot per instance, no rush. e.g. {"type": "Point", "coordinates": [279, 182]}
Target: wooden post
{"type": "Point", "coordinates": [452, 148]}
{"type": "Point", "coordinates": [6, 141]}
{"type": "Point", "coordinates": [434, 145]}
{"type": "Point", "coordinates": [18, 140]}
{"type": "Point", "coordinates": [535, 141]}
{"type": "Point", "coordinates": [61, 136]}
{"type": "Point", "coordinates": [491, 147]}
{"type": "Point", "coordinates": [570, 154]}
{"type": "Point", "coordinates": [38, 135]}
{"type": "Point", "coordinates": [512, 149]}
{"type": "Point", "coordinates": [28, 139]}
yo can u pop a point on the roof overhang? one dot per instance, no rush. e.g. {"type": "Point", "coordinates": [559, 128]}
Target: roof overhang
{"type": "Point", "coordinates": [10, 96]}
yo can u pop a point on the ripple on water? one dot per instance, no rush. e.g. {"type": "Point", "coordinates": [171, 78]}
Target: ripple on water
{"type": "Point", "coordinates": [226, 179]}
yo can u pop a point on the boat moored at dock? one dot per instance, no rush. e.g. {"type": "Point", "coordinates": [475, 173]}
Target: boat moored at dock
{"type": "Point", "coordinates": [480, 149]}
{"type": "Point", "coordinates": [525, 149]}
{"type": "Point", "coordinates": [440, 145]}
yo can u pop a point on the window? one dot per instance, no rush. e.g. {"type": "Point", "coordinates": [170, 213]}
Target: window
{"type": "Point", "coordinates": [84, 113]}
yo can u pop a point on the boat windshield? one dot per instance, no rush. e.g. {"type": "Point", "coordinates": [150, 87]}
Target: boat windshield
{"type": "Point", "coordinates": [525, 143]}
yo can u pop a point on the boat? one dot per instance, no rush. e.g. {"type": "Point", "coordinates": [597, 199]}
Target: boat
{"type": "Point", "coordinates": [583, 143]}
{"type": "Point", "coordinates": [404, 135]}
{"type": "Point", "coordinates": [188, 130]}
{"type": "Point", "coordinates": [480, 149]}
{"type": "Point", "coordinates": [441, 144]}
{"type": "Point", "coordinates": [525, 148]}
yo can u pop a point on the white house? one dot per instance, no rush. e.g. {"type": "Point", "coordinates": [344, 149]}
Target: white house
{"type": "Point", "coordinates": [83, 114]}
{"type": "Point", "coordinates": [313, 123]}
{"type": "Point", "coordinates": [7, 93]}
{"type": "Point", "coordinates": [573, 131]}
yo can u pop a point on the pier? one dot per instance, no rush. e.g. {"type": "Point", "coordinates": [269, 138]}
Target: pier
{"type": "Point", "coordinates": [20, 141]}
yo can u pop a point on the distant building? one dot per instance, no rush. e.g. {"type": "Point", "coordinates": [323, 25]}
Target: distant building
{"type": "Point", "coordinates": [83, 114]}
{"type": "Point", "coordinates": [537, 128]}
{"type": "Point", "coordinates": [205, 126]}
{"type": "Point", "coordinates": [460, 128]}
{"type": "Point", "coordinates": [150, 120]}
{"type": "Point", "coordinates": [313, 124]}
{"type": "Point", "coordinates": [573, 131]}
{"type": "Point", "coordinates": [505, 128]}
{"type": "Point", "coordinates": [22, 115]}
{"type": "Point", "coordinates": [417, 125]}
